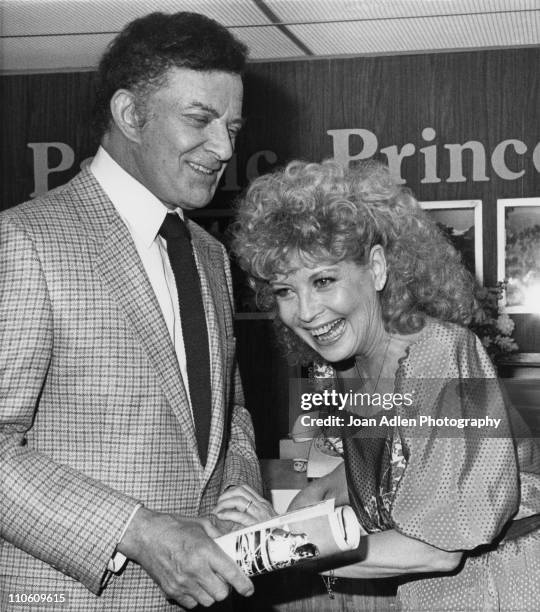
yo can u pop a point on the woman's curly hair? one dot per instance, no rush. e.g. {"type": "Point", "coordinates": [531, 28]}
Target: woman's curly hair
{"type": "Point", "coordinates": [327, 213]}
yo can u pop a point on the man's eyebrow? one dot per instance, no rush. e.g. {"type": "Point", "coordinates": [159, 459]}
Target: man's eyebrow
{"type": "Point", "coordinates": [240, 121]}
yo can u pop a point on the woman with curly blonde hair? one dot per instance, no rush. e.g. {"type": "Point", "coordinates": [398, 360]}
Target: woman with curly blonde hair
{"type": "Point", "coordinates": [360, 278]}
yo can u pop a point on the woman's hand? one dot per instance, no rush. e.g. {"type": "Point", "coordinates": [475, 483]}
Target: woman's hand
{"type": "Point", "coordinates": [242, 505]}
{"type": "Point", "coordinates": [333, 485]}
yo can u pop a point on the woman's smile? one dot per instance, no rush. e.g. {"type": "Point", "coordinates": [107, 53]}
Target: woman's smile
{"type": "Point", "coordinates": [328, 333]}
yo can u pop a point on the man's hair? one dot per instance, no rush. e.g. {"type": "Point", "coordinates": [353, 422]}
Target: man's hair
{"type": "Point", "coordinates": [139, 57]}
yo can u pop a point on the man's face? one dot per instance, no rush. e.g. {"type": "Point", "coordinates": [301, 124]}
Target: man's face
{"type": "Point", "coordinates": [188, 136]}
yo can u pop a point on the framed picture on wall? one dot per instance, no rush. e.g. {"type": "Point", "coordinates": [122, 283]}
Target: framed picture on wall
{"type": "Point", "coordinates": [518, 253]}
{"type": "Point", "coordinates": [461, 222]}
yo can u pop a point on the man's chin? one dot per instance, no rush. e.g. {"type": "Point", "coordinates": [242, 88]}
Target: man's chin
{"type": "Point", "coordinates": [197, 203]}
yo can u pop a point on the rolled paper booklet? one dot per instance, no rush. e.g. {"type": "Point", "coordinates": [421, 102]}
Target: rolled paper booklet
{"type": "Point", "coordinates": [317, 531]}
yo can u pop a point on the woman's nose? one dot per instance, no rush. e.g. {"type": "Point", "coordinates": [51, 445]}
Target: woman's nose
{"type": "Point", "coordinates": [308, 307]}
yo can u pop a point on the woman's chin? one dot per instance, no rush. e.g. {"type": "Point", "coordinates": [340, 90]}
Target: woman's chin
{"type": "Point", "coordinates": [334, 353]}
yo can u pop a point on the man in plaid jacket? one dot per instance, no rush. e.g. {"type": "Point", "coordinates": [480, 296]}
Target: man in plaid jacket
{"type": "Point", "coordinates": [98, 448]}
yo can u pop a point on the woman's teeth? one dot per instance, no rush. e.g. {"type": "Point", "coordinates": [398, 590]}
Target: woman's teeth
{"type": "Point", "coordinates": [329, 332]}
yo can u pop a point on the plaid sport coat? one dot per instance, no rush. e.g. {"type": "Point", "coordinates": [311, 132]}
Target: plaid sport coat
{"type": "Point", "coordinates": [93, 411]}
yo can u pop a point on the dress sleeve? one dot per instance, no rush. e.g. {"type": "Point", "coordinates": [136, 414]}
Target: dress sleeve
{"type": "Point", "coordinates": [461, 483]}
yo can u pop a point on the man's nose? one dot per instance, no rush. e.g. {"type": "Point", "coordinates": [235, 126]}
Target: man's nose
{"type": "Point", "coordinates": [219, 141]}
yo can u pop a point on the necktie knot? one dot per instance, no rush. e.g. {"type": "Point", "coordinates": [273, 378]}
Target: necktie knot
{"type": "Point", "coordinates": [174, 227]}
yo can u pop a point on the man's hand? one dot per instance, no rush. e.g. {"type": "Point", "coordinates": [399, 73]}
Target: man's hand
{"type": "Point", "coordinates": [243, 505]}
{"type": "Point", "coordinates": [181, 557]}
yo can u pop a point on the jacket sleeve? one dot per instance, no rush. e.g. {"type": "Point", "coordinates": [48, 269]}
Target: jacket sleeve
{"type": "Point", "coordinates": [47, 509]}
{"type": "Point", "coordinates": [241, 463]}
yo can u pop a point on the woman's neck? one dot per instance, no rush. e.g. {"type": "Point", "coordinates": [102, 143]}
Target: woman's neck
{"type": "Point", "coordinates": [383, 360]}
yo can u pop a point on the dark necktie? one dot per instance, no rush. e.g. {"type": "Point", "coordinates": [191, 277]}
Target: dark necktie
{"type": "Point", "coordinates": [194, 331]}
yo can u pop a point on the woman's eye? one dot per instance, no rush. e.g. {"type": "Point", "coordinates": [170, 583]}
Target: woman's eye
{"type": "Point", "coordinates": [280, 292]}
{"type": "Point", "coordinates": [322, 283]}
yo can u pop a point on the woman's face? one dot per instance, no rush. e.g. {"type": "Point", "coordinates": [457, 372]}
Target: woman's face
{"type": "Point", "coordinates": [334, 307]}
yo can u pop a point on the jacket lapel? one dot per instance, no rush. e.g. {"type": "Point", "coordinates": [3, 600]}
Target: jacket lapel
{"type": "Point", "coordinates": [120, 266]}
{"type": "Point", "coordinates": [210, 264]}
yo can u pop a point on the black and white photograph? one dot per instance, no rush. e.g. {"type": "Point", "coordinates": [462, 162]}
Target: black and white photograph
{"type": "Point", "coordinates": [461, 222]}
{"type": "Point", "coordinates": [237, 238]}
{"type": "Point", "coordinates": [518, 235]}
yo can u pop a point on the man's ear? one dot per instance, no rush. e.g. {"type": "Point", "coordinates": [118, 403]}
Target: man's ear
{"type": "Point", "coordinates": [377, 264]}
{"type": "Point", "coordinates": [124, 113]}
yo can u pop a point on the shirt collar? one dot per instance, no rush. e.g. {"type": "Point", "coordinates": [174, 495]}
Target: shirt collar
{"type": "Point", "coordinates": [138, 207]}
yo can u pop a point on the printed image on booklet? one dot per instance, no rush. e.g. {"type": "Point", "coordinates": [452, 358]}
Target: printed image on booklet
{"type": "Point", "coordinates": [317, 531]}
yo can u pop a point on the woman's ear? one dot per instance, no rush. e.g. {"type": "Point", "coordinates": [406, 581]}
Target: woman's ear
{"type": "Point", "coordinates": [377, 265]}
{"type": "Point", "coordinates": [124, 113]}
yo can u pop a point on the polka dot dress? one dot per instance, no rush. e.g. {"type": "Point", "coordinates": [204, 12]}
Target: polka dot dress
{"type": "Point", "coordinates": [456, 488]}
